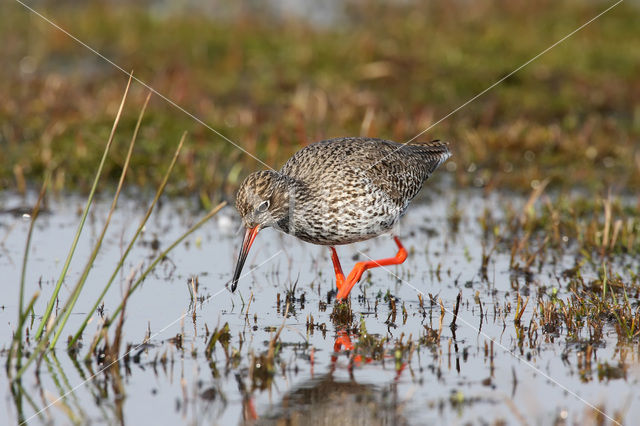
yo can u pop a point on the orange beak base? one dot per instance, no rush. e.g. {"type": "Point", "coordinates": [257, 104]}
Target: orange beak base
{"type": "Point", "coordinates": [247, 241]}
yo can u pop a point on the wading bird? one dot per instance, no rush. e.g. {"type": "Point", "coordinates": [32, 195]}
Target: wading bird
{"type": "Point", "coordinates": [335, 192]}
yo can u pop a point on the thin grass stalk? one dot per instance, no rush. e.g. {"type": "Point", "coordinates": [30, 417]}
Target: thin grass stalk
{"type": "Point", "coordinates": [21, 325]}
{"type": "Point", "coordinates": [56, 372]}
{"type": "Point", "coordinates": [272, 343]}
{"type": "Point", "coordinates": [55, 379]}
{"type": "Point", "coordinates": [112, 351]}
{"type": "Point", "coordinates": [146, 272]}
{"type": "Point", "coordinates": [65, 268]}
{"type": "Point", "coordinates": [85, 273]}
{"type": "Point", "coordinates": [18, 392]}
{"type": "Point", "coordinates": [67, 385]}
{"type": "Point", "coordinates": [30, 305]}
{"type": "Point", "coordinates": [607, 223]}
{"type": "Point", "coordinates": [131, 244]}
{"type": "Point", "coordinates": [164, 254]}
{"type": "Point", "coordinates": [215, 336]}
{"type": "Point", "coordinates": [43, 339]}
{"type": "Point", "coordinates": [604, 281]}
{"type": "Point", "coordinates": [62, 405]}
{"type": "Point", "coordinates": [16, 346]}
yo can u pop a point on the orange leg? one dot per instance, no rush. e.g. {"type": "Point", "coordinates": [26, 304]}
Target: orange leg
{"type": "Point", "coordinates": [337, 268]}
{"type": "Point", "coordinates": [343, 342]}
{"type": "Point", "coordinates": [344, 287]}
{"type": "Point", "coordinates": [249, 409]}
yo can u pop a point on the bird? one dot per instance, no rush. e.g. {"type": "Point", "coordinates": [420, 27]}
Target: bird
{"type": "Point", "coordinates": [335, 192]}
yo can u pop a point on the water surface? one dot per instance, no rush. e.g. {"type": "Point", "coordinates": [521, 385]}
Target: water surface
{"type": "Point", "coordinates": [481, 371]}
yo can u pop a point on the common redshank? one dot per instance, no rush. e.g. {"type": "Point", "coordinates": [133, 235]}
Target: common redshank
{"type": "Point", "coordinates": [335, 192]}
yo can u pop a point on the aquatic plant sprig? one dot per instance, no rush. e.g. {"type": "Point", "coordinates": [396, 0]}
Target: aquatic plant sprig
{"type": "Point", "coordinates": [71, 407]}
{"type": "Point", "coordinates": [42, 345]}
{"type": "Point", "coordinates": [18, 392]}
{"type": "Point", "coordinates": [16, 345]}
{"type": "Point", "coordinates": [85, 273]}
{"type": "Point", "coordinates": [164, 254]}
{"type": "Point", "coordinates": [72, 249]}
{"type": "Point", "coordinates": [47, 321]}
{"type": "Point", "coordinates": [150, 268]}
{"type": "Point", "coordinates": [124, 256]}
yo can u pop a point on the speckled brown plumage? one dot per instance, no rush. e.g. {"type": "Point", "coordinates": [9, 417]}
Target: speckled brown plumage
{"type": "Point", "coordinates": [340, 191]}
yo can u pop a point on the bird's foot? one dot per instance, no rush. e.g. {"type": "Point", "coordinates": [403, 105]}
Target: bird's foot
{"type": "Point", "coordinates": [344, 287]}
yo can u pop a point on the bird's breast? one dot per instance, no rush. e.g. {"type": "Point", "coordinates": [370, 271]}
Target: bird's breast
{"type": "Point", "coordinates": [352, 213]}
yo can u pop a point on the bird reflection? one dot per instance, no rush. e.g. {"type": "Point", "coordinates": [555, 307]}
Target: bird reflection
{"type": "Point", "coordinates": [325, 400]}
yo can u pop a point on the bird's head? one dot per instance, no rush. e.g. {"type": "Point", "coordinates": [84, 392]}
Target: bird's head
{"type": "Point", "coordinates": [262, 201]}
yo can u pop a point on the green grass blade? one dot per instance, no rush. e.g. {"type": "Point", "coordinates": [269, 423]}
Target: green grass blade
{"type": "Point", "coordinates": [65, 268]}
{"type": "Point", "coordinates": [42, 340]}
{"type": "Point", "coordinates": [131, 243]}
{"type": "Point", "coordinates": [17, 340]}
{"type": "Point", "coordinates": [164, 254]}
{"type": "Point", "coordinates": [18, 392]}
{"type": "Point", "coordinates": [85, 273]}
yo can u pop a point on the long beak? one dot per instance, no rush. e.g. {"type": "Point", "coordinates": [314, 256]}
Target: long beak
{"type": "Point", "coordinates": [249, 236]}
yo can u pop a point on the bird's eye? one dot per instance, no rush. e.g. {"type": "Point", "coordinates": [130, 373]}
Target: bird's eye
{"type": "Point", "coordinates": [263, 206]}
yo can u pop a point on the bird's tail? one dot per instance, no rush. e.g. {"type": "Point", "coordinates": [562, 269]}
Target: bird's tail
{"type": "Point", "coordinates": [437, 145]}
{"type": "Point", "coordinates": [437, 152]}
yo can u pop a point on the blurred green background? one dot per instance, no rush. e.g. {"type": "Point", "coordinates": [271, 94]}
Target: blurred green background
{"type": "Point", "coordinates": [273, 76]}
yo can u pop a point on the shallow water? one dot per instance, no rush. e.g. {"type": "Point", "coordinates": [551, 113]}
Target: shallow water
{"type": "Point", "coordinates": [477, 372]}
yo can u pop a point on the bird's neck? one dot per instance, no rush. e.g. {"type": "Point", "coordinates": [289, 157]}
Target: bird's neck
{"type": "Point", "coordinates": [288, 186]}
{"type": "Point", "coordinates": [290, 191]}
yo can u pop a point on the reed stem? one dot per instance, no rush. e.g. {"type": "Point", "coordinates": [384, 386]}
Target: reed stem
{"type": "Point", "coordinates": [130, 246]}
{"type": "Point", "coordinates": [16, 346]}
{"type": "Point", "coordinates": [162, 255]}
{"type": "Point", "coordinates": [68, 307]}
{"type": "Point", "coordinates": [65, 268]}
